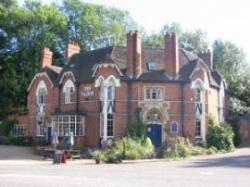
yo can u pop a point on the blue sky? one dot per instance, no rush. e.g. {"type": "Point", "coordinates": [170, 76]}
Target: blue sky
{"type": "Point", "coordinates": [225, 19]}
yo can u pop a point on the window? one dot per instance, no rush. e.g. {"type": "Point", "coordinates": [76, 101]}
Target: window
{"type": "Point", "coordinates": [64, 124]}
{"type": "Point", "coordinates": [111, 93]}
{"type": "Point", "coordinates": [41, 126]}
{"type": "Point", "coordinates": [198, 128]}
{"type": "Point", "coordinates": [154, 94]}
{"type": "Point", "coordinates": [151, 66]}
{"type": "Point", "coordinates": [174, 128]}
{"type": "Point", "coordinates": [110, 125]}
{"type": "Point", "coordinates": [41, 96]}
{"type": "Point", "coordinates": [18, 130]}
{"type": "Point", "coordinates": [69, 92]}
{"type": "Point", "coordinates": [41, 93]}
{"type": "Point", "coordinates": [198, 95]}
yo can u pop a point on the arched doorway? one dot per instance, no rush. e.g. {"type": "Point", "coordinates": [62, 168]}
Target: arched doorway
{"type": "Point", "coordinates": [154, 120]}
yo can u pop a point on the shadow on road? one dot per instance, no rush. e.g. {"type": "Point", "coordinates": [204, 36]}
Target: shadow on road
{"type": "Point", "coordinates": [241, 161]}
{"type": "Point", "coordinates": [17, 153]}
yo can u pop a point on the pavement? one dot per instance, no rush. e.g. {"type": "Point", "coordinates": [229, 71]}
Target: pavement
{"type": "Point", "coordinates": [231, 169]}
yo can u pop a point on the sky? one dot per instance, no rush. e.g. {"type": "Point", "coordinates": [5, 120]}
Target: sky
{"type": "Point", "coordinates": [224, 19]}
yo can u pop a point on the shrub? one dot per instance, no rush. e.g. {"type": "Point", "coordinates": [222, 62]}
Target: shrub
{"type": "Point", "coordinates": [220, 136]}
{"type": "Point", "coordinates": [176, 148]}
{"type": "Point", "coordinates": [20, 141]}
{"type": "Point", "coordinates": [137, 130]}
{"type": "Point", "coordinates": [234, 122]}
{"type": "Point", "coordinates": [130, 149]}
{"type": "Point", "coordinates": [198, 150]}
{"type": "Point", "coordinates": [6, 126]}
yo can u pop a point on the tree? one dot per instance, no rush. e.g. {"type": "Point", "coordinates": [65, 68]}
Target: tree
{"type": "Point", "coordinates": [195, 41]}
{"type": "Point", "coordinates": [94, 26]}
{"type": "Point", "coordinates": [25, 30]}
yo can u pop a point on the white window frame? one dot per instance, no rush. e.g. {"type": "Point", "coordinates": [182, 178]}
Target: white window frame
{"type": "Point", "coordinates": [69, 92]}
{"type": "Point", "coordinates": [18, 130]}
{"type": "Point", "coordinates": [64, 124]}
{"type": "Point", "coordinates": [149, 91]}
{"type": "Point", "coordinates": [101, 125]}
{"type": "Point", "coordinates": [200, 128]}
{"type": "Point", "coordinates": [41, 91]}
{"type": "Point", "coordinates": [40, 127]}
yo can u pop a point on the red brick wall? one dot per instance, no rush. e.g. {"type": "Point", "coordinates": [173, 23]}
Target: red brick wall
{"type": "Point", "coordinates": [90, 104]}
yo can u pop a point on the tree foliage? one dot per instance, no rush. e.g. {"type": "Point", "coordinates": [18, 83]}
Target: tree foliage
{"type": "Point", "coordinates": [195, 41]}
{"type": "Point", "coordinates": [26, 29]}
{"type": "Point", "coordinates": [220, 136]}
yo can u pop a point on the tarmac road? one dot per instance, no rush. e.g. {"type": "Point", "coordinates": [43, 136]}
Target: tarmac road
{"type": "Point", "coordinates": [231, 169]}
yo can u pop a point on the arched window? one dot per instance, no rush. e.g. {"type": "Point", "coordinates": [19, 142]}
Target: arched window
{"type": "Point", "coordinates": [69, 92]}
{"type": "Point", "coordinates": [41, 93]}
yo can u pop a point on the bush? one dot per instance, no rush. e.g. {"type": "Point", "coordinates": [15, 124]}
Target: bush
{"type": "Point", "coordinates": [20, 141]}
{"type": "Point", "coordinates": [198, 150]}
{"type": "Point", "coordinates": [5, 127]}
{"type": "Point", "coordinates": [176, 148]}
{"type": "Point", "coordinates": [130, 149]}
{"type": "Point", "coordinates": [220, 136]}
{"type": "Point", "coordinates": [137, 130]}
{"type": "Point", "coordinates": [234, 122]}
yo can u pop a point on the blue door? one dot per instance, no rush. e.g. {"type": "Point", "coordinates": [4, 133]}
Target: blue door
{"type": "Point", "coordinates": [154, 132]}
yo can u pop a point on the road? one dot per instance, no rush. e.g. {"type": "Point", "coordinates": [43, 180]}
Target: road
{"type": "Point", "coordinates": [231, 169]}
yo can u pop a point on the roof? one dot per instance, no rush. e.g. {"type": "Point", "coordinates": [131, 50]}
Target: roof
{"type": "Point", "coordinates": [82, 65]}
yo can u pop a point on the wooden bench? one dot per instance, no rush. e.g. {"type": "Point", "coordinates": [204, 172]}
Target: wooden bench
{"type": "Point", "coordinates": [69, 154]}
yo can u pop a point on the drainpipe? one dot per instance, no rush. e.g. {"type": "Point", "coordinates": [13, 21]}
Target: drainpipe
{"type": "Point", "coordinates": [129, 101]}
{"type": "Point", "coordinates": [59, 98]}
{"type": "Point", "coordinates": [182, 107]}
{"type": "Point", "coordinates": [77, 97]}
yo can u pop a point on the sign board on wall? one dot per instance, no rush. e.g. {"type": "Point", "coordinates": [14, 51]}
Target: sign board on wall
{"type": "Point", "coordinates": [87, 91]}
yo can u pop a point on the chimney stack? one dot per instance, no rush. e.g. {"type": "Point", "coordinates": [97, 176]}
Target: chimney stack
{"type": "Point", "coordinates": [134, 68]}
{"type": "Point", "coordinates": [46, 58]}
{"type": "Point", "coordinates": [207, 57]}
{"type": "Point", "coordinates": [171, 52]}
{"type": "Point", "coordinates": [137, 54]}
{"type": "Point", "coordinates": [71, 49]}
{"type": "Point", "coordinates": [130, 59]}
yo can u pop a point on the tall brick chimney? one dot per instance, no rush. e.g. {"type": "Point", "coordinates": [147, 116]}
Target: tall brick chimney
{"type": "Point", "coordinates": [130, 56]}
{"type": "Point", "coordinates": [71, 49]}
{"type": "Point", "coordinates": [134, 68]}
{"type": "Point", "coordinates": [207, 57]}
{"type": "Point", "coordinates": [171, 55]}
{"type": "Point", "coordinates": [137, 54]}
{"type": "Point", "coordinates": [46, 58]}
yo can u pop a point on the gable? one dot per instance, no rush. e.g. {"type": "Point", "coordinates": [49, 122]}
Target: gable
{"type": "Point", "coordinates": [38, 77]}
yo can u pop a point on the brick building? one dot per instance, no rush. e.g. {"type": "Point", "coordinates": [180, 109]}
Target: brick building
{"type": "Point", "coordinates": [97, 93]}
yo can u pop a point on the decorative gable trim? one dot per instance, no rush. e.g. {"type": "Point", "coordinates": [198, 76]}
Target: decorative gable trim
{"type": "Point", "coordinates": [40, 75]}
{"type": "Point", "coordinates": [106, 65]}
{"type": "Point", "coordinates": [67, 73]}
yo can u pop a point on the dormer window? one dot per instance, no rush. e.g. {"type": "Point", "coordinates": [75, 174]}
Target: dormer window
{"type": "Point", "coordinates": [69, 92]}
{"type": "Point", "coordinates": [151, 66]}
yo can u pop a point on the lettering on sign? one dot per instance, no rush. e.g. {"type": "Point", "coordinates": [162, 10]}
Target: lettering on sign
{"type": "Point", "coordinates": [87, 91]}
